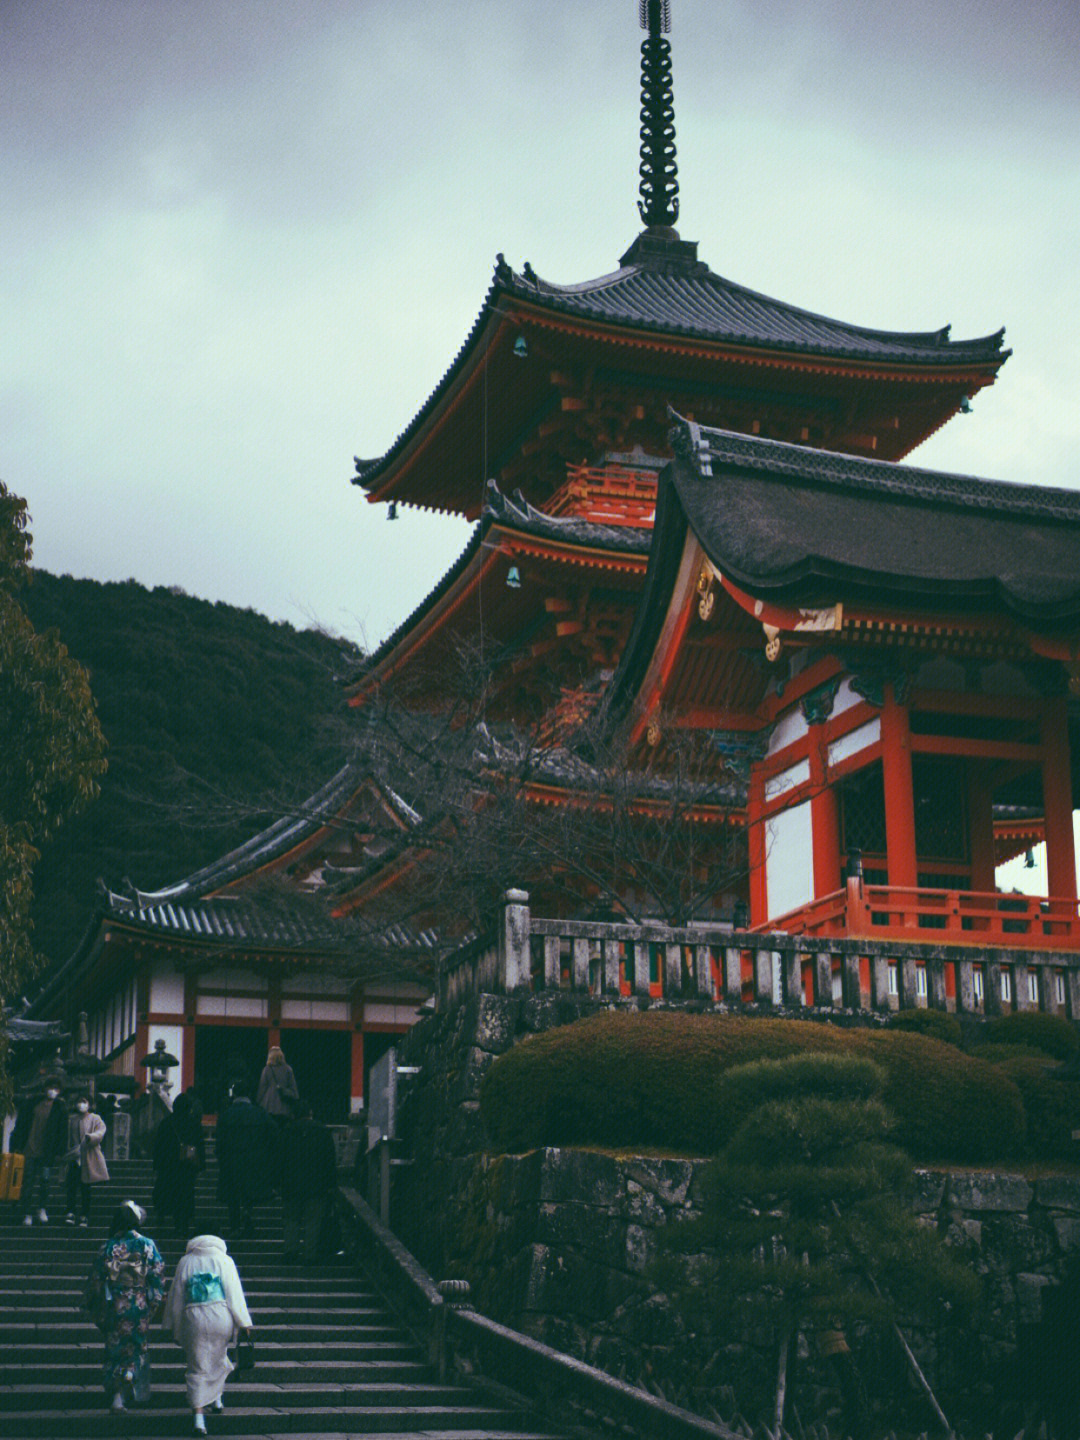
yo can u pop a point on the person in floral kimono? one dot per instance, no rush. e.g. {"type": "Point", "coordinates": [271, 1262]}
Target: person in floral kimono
{"type": "Point", "coordinates": [124, 1293]}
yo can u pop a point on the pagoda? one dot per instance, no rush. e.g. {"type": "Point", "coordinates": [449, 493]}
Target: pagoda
{"type": "Point", "coordinates": [690, 522]}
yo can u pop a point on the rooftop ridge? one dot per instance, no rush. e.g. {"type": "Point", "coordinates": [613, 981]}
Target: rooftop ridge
{"type": "Point", "coordinates": [882, 476]}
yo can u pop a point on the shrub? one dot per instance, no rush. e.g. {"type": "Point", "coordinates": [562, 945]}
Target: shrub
{"type": "Point", "coordinates": [1052, 1105]}
{"type": "Point", "coordinates": [658, 1079]}
{"type": "Point", "coordinates": [935, 1023]}
{"type": "Point", "coordinates": [1053, 1034]}
{"type": "Point", "coordinates": [948, 1105]}
{"type": "Point", "coordinates": [832, 1077]}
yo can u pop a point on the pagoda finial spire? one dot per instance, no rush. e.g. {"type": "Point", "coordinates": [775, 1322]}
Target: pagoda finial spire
{"type": "Point", "coordinates": [659, 185]}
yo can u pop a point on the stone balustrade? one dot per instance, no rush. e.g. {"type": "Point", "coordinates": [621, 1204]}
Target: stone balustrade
{"type": "Point", "coordinates": [724, 967]}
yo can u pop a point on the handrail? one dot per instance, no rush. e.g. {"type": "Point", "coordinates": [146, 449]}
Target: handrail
{"type": "Point", "coordinates": [543, 1375]}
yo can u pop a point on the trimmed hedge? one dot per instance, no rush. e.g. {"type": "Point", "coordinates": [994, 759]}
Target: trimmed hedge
{"type": "Point", "coordinates": [938, 1024]}
{"type": "Point", "coordinates": [656, 1079]}
{"type": "Point", "coordinates": [1052, 1034]}
{"type": "Point", "coordinates": [1052, 1104]}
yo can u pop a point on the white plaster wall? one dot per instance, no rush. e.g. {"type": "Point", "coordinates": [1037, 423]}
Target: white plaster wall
{"type": "Point", "coordinates": [315, 1010]}
{"type": "Point", "coordinates": [854, 741]}
{"type": "Point", "coordinates": [789, 859]}
{"type": "Point", "coordinates": [796, 774]}
{"type": "Point", "coordinates": [167, 990]}
{"type": "Point", "coordinates": [790, 727]}
{"type": "Point", "coordinates": [376, 1013]}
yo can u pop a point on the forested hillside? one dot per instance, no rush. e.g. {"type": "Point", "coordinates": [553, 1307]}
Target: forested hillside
{"type": "Point", "coordinates": [215, 718]}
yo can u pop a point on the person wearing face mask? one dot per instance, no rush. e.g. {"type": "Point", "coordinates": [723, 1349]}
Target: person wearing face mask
{"type": "Point", "coordinates": [86, 1163]}
{"type": "Point", "coordinates": [41, 1135]}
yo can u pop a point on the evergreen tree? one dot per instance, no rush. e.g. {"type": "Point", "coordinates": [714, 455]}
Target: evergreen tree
{"type": "Point", "coordinates": [51, 754]}
{"type": "Point", "coordinates": [808, 1223]}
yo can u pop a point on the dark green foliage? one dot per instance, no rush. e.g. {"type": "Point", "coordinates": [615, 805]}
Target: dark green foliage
{"type": "Point", "coordinates": [1053, 1034]}
{"type": "Point", "coordinates": [217, 721]}
{"type": "Point", "coordinates": [1052, 1104]}
{"type": "Point", "coordinates": [831, 1077]}
{"type": "Point", "coordinates": [52, 754]}
{"type": "Point", "coordinates": [936, 1023]}
{"type": "Point", "coordinates": [626, 1080]}
{"type": "Point", "coordinates": [807, 1219]}
{"type": "Point", "coordinates": [948, 1105]}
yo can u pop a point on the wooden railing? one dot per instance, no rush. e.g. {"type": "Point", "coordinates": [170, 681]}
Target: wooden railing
{"type": "Point", "coordinates": [781, 970]}
{"type": "Point", "coordinates": [956, 917]}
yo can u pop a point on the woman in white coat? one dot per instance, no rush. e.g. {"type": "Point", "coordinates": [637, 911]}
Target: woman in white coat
{"type": "Point", "coordinates": [205, 1311]}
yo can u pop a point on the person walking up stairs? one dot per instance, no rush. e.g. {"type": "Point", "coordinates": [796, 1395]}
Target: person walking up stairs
{"type": "Point", "coordinates": [331, 1359]}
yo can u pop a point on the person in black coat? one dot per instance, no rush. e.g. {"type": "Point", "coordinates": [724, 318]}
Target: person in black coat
{"type": "Point", "coordinates": [179, 1155]}
{"type": "Point", "coordinates": [40, 1135]}
{"type": "Point", "coordinates": [308, 1181]}
{"type": "Point", "coordinates": [247, 1154]}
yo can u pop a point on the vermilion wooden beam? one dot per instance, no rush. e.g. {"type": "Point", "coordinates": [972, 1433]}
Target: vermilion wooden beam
{"type": "Point", "coordinates": [1057, 802]}
{"type": "Point", "coordinates": [899, 792]}
{"type": "Point", "coordinates": [958, 745]}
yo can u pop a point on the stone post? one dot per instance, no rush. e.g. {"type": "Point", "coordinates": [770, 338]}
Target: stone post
{"type": "Point", "coordinates": [965, 987]}
{"type": "Point", "coordinates": [579, 966]}
{"type": "Point", "coordinates": [611, 967]}
{"type": "Point", "coordinates": [764, 962]}
{"type": "Point", "coordinates": [514, 961]}
{"type": "Point", "coordinates": [823, 997]}
{"type": "Point", "coordinates": [1072, 992]}
{"type": "Point", "coordinates": [641, 968]}
{"type": "Point", "coordinates": [792, 973]}
{"type": "Point", "coordinates": [852, 982]}
{"type": "Point", "coordinates": [673, 985]}
{"type": "Point", "coordinates": [732, 975]}
{"type": "Point", "coordinates": [879, 983]}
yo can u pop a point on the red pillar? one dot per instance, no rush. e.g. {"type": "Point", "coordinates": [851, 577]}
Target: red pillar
{"type": "Point", "coordinates": [899, 793]}
{"type": "Point", "coordinates": [981, 830]}
{"type": "Point", "coordinates": [356, 1066]}
{"type": "Point", "coordinates": [1057, 802]}
{"type": "Point", "coordinates": [755, 845]}
{"type": "Point", "coordinates": [824, 817]}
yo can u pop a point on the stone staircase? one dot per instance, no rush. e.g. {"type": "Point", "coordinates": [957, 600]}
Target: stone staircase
{"type": "Point", "coordinates": [332, 1360]}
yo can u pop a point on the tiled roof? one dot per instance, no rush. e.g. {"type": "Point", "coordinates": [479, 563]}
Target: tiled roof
{"type": "Point", "coordinates": [884, 477]}
{"type": "Point", "coordinates": [662, 287]}
{"type": "Point", "coordinates": [233, 920]}
{"type": "Point", "coordinates": [277, 839]}
{"type": "Point", "coordinates": [515, 514]}
{"type": "Point", "coordinates": [817, 527]}
{"type": "Point", "coordinates": [685, 297]}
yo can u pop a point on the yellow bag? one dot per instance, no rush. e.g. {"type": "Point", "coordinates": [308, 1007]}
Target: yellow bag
{"type": "Point", "coordinates": [11, 1176]}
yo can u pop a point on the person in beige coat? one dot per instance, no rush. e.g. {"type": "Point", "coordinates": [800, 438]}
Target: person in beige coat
{"type": "Point", "coordinates": [86, 1163]}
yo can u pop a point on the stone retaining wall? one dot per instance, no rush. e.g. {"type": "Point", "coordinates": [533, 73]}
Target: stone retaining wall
{"type": "Point", "coordinates": [561, 1244]}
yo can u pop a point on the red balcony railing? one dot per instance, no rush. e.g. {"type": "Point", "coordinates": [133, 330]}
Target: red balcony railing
{"type": "Point", "coordinates": [954, 917]}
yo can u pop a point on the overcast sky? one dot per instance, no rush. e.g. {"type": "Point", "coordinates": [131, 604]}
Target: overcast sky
{"type": "Point", "coordinates": [242, 240]}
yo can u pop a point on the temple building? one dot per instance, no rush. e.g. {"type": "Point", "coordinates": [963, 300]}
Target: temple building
{"type": "Point", "coordinates": [690, 521]}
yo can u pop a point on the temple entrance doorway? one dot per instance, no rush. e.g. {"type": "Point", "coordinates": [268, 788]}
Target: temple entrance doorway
{"type": "Point", "coordinates": [223, 1055]}
{"type": "Point", "coordinates": [321, 1061]}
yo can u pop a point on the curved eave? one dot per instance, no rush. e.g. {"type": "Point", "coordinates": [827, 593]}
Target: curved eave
{"type": "Point", "coordinates": [565, 796]}
{"type": "Point", "coordinates": [489, 546]}
{"type": "Point", "coordinates": [810, 528]}
{"type": "Point", "coordinates": [512, 302]}
{"type": "Point", "coordinates": [941, 359]}
{"type": "Point", "coordinates": [146, 932]}
{"type": "Point", "coordinates": [277, 844]}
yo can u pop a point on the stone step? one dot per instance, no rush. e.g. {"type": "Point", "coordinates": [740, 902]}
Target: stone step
{"type": "Point", "coordinates": [479, 1421]}
{"type": "Point", "coordinates": [282, 1391]}
{"type": "Point", "coordinates": [332, 1361]}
